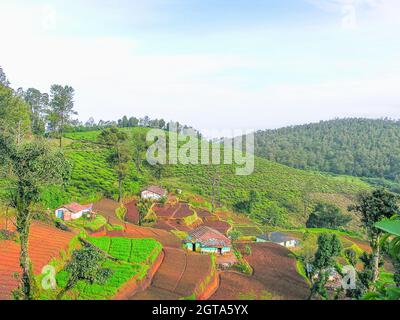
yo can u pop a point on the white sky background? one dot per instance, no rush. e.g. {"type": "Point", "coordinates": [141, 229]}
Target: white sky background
{"type": "Point", "coordinates": [256, 75]}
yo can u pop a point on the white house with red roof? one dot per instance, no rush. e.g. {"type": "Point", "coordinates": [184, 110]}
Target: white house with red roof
{"type": "Point", "coordinates": [208, 240]}
{"type": "Point", "coordinates": [73, 211]}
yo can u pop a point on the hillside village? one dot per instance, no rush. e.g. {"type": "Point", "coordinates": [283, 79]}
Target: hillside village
{"type": "Point", "coordinates": [199, 259]}
{"type": "Point", "coordinates": [85, 216]}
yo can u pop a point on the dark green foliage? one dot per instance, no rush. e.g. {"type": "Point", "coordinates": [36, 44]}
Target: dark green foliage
{"type": "Point", "coordinates": [375, 206]}
{"type": "Point", "coordinates": [3, 78]}
{"type": "Point", "coordinates": [329, 247]}
{"type": "Point", "coordinates": [61, 109]}
{"type": "Point", "coordinates": [30, 167]}
{"type": "Point", "coordinates": [14, 115]}
{"type": "Point", "coordinates": [326, 215]}
{"type": "Point", "coordinates": [358, 147]}
{"type": "Point", "coordinates": [38, 103]}
{"type": "Point", "coordinates": [85, 265]}
{"type": "Point", "coordinates": [351, 256]}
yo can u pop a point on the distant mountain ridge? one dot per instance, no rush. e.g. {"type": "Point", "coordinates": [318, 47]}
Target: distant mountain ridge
{"type": "Point", "coordinates": [353, 146]}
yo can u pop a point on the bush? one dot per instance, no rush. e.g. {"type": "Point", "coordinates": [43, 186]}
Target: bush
{"type": "Point", "coordinates": [326, 215]}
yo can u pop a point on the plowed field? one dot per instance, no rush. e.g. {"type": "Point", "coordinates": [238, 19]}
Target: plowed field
{"type": "Point", "coordinates": [45, 243]}
{"type": "Point", "coordinates": [179, 275]}
{"type": "Point", "coordinates": [274, 273]}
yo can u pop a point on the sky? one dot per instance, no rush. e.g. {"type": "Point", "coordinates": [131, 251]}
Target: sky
{"type": "Point", "coordinates": [212, 64]}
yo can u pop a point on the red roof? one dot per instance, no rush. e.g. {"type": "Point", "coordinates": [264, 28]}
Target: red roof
{"type": "Point", "coordinates": [209, 237]}
{"type": "Point", "coordinates": [76, 207]}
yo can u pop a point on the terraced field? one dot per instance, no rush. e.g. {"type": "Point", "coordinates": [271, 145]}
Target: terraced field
{"type": "Point", "coordinates": [131, 231]}
{"type": "Point", "coordinates": [45, 243]}
{"type": "Point", "coordinates": [275, 277]}
{"type": "Point", "coordinates": [171, 217]}
{"type": "Point", "coordinates": [179, 275]}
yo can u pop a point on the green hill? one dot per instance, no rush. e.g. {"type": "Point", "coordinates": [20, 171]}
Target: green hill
{"type": "Point", "coordinates": [357, 147]}
{"type": "Point", "coordinates": [285, 194]}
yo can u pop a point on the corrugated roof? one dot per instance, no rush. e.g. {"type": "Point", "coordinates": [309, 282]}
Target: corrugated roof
{"type": "Point", "coordinates": [277, 237]}
{"type": "Point", "coordinates": [209, 237]}
{"type": "Point", "coordinates": [157, 190]}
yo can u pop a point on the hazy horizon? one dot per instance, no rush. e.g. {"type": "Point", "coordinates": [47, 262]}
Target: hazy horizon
{"type": "Point", "coordinates": [227, 65]}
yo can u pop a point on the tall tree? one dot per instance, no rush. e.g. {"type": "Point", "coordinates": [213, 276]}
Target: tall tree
{"type": "Point", "coordinates": [30, 167]}
{"type": "Point", "coordinates": [374, 207]}
{"type": "Point", "coordinates": [61, 108]}
{"type": "Point", "coordinates": [14, 114]}
{"type": "Point", "coordinates": [329, 247]}
{"type": "Point", "coordinates": [38, 103]}
{"type": "Point", "coordinates": [120, 156]}
{"type": "Point", "coordinates": [3, 78]}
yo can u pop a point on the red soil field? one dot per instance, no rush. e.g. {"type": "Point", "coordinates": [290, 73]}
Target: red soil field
{"type": "Point", "coordinates": [220, 226]}
{"type": "Point", "coordinates": [45, 243]}
{"type": "Point", "coordinates": [163, 225]}
{"type": "Point", "coordinates": [233, 285]}
{"type": "Point", "coordinates": [179, 226]}
{"type": "Point", "coordinates": [171, 270]}
{"type": "Point", "coordinates": [132, 213]}
{"type": "Point", "coordinates": [179, 275]}
{"type": "Point", "coordinates": [273, 269]}
{"type": "Point", "coordinates": [107, 207]}
{"type": "Point", "coordinates": [165, 211]}
{"type": "Point", "coordinates": [183, 211]}
{"type": "Point", "coordinates": [203, 213]}
{"type": "Point", "coordinates": [198, 267]}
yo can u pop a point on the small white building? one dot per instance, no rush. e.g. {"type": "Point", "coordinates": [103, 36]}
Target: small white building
{"type": "Point", "coordinates": [73, 211]}
{"type": "Point", "coordinates": [280, 238]}
{"type": "Point", "coordinates": [154, 193]}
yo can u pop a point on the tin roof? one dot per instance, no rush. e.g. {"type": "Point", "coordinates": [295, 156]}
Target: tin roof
{"type": "Point", "coordinates": [209, 237]}
{"type": "Point", "coordinates": [277, 237]}
{"type": "Point", "coordinates": [157, 190]}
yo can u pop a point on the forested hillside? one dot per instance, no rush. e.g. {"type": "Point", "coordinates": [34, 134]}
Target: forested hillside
{"type": "Point", "coordinates": [358, 147]}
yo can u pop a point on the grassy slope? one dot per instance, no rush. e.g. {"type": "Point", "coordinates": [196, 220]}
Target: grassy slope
{"type": "Point", "coordinates": [284, 190]}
